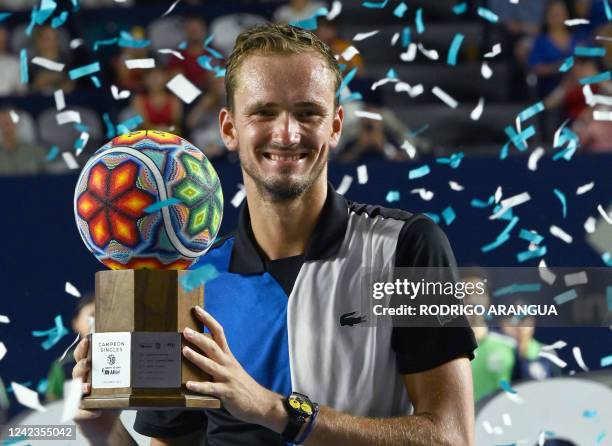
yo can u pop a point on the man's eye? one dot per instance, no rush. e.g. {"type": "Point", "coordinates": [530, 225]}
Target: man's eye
{"type": "Point", "coordinates": [306, 114]}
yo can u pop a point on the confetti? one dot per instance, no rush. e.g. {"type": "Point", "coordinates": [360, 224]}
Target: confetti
{"type": "Point", "coordinates": [362, 174]}
{"type": "Point", "coordinates": [400, 10]}
{"type": "Point", "coordinates": [4, 319]}
{"type": "Point", "coordinates": [527, 255]}
{"type": "Point", "coordinates": [394, 38]}
{"type": "Point", "coordinates": [418, 172]}
{"type": "Point", "coordinates": [477, 112]}
{"type": "Point", "coordinates": [486, 71]}
{"type": "Point", "coordinates": [126, 40]}
{"type": "Point", "coordinates": [517, 288]}
{"type": "Point", "coordinates": [75, 43]}
{"type": "Point", "coordinates": [505, 385]}
{"type": "Point", "coordinates": [81, 142]}
{"type": "Point", "coordinates": [27, 397]}
{"type": "Point", "coordinates": [311, 22]}
{"type": "Point", "coordinates": [566, 296]}
{"type": "Point", "coordinates": [602, 115]}
{"type": "Point", "coordinates": [413, 92]}
{"type": "Point", "coordinates": [368, 115]}
{"type": "Point", "coordinates": [453, 51]}
{"type": "Point", "coordinates": [511, 202]}
{"type": "Point", "coordinates": [418, 19]}
{"type": "Point", "coordinates": [345, 184]}
{"type": "Point", "coordinates": [460, 8]}
{"type": "Point", "coordinates": [609, 297]}
{"type": "Point", "coordinates": [500, 240]}
{"type": "Point", "coordinates": [199, 276]}
{"type": "Point", "coordinates": [140, 63]}
{"type": "Point", "coordinates": [362, 36]}
{"type": "Point", "coordinates": [58, 21]}
{"type": "Point", "coordinates": [123, 94]}
{"type": "Point", "coordinates": [531, 111]}
{"type": "Point", "coordinates": [23, 68]}
{"type": "Point", "coordinates": [85, 70]}
{"type": "Point", "coordinates": [453, 161]}
{"type": "Point", "coordinates": [562, 199]}
{"type": "Point", "coordinates": [608, 10]}
{"type": "Point", "coordinates": [589, 225]}
{"type": "Point", "coordinates": [239, 196]}
{"type": "Point", "coordinates": [575, 22]}
{"type": "Point", "coordinates": [375, 5]}
{"type": "Point", "coordinates": [382, 82]}
{"type": "Point", "coordinates": [72, 290]}
{"type": "Point", "coordinates": [410, 54]}
{"type": "Point", "coordinates": [552, 358]}
{"type": "Point", "coordinates": [589, 51]}
{"type": "Point", "coordinates": [589, 413]}
{"type": "Point", "coordinates": [72, 398]}
{"type": "Point", "coordinates": [157, 206]}
{"type": "Point", "coordinates": [487, 14]}
{"type": "Point", "coordinates": [430, 54]}
{"type": "Point", "coordinates": [606, 361]}
{"type": "Point", "coordinates": [506, 419]}
{"type": "Point", "coordinates": [53, 335]}
{"type": "Point", "coordinates": [170, 51]}
{"type": "Point", "coordinates": [495, 51]}
{"type": "Point", "coordinates": [579, 278]}
{"type": "Point", "coordinates": [531, 236]}
{"type": "Point", "coordinates": [349, 53]}
{"type": "Point", "coordinates": [335, 10]}
{"type": "Point", "coordinates": [434, 217]}
{"type": "Point", "coordinates": [171, 8]}
{"type": "Point", "coordinates": [346, 80]}
{"type": "Point", "coordinates": [409, 149]}
{"type": "Point", "coordinates": [532, 163]}
{"type": "Point", "coordinates": [585, 188]}
{"type": "Point", "coordinates": [52, 154]}
{"type": "Point", "coordinates": [557, 345]}
{"type": "Point", "coordinates": [455, 186]}
{"type": "Point", "coordinates": [48, 64]}
{"type": "Point", "coordinates": [601, 77]}
{"type": "Point", "coordinates": [392, 196]}
{"type": "Point", "coordinates": [448, 214]}
{"type": "Point", "coordinates": [567, 64]}
{"type": "Point", "coordinates": [607, 258]}
{"type": "Point", "coordinates": [70, 161]}
{"type": "Point", "coordinates": [2, 350]}
{"type": "Point", "coordinates": [425, 194]}
{"type": "Point", "coordinates": [444, 97]}
{"type": "Point", "coordinates": [4, 15]}
{"type": "Point", "coordinates": [578, 357]}
{"type": "Point", "coordinates": [406, 37]}
{"type": "Point", "coordinates": [78, 336]}
{"type": "Point", "coordinates": [98, 43]}
{"type": "Point", "coordinates": [183, 88]}
{"type": "Point", "coordinates": [604, 214]}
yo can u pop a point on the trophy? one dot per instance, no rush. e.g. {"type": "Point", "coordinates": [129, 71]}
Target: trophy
{"type": "Point", "coordinates": [147, 205]}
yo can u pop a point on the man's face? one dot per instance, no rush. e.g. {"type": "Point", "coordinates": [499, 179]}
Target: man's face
{"type": "Point", "coordinates": [283, 122]}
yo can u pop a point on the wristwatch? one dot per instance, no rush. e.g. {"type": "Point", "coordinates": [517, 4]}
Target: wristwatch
{"type": "Point", "coordinates": [300, 409]}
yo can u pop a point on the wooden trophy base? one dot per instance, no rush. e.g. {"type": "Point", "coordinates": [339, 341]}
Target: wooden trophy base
{"type": "Point", "coordinates": [135, 402]}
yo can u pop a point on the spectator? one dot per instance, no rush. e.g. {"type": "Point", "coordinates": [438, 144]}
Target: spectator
{"type": "Point", "coordinates": [131, 79]}
{"type": "Point", "coordinates": [18, 156]}
{"type": "Point", "coordinates": [327, 31]}
{"type": "Point", "coordinates": [9, 81]}
{"type": "Point", "coordinates": [297, 10]}
{"type": "Point", "coordinates": [47, 45]}
{"type": "Point", "coordinates": [595, 135]}
{"type": "Point", "coordinates": [160, 110]}
{"type": "Point", "coordinates": [202, 120]}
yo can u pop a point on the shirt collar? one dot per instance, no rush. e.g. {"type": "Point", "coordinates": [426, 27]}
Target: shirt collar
{"type": "Point", "coordinates": [325, 241]}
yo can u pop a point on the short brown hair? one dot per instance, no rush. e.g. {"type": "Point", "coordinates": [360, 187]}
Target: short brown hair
{"type": "Point", "coordinates": [272, 38]}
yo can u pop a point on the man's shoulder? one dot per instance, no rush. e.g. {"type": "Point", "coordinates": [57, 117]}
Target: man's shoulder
{"type": "Point", "coordinates": [377, 211]}
{"type": "Point", "coordinates": [218, 254]}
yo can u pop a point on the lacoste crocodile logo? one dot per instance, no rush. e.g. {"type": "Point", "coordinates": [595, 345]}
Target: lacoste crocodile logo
{"type": "Point", "coordinates": [350, 320]}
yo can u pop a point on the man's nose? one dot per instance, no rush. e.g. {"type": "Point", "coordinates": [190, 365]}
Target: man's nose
{"type": "Point", "coordinates": [286, 131]}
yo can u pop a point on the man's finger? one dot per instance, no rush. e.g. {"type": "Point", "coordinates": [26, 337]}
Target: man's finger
{"type": "Point", "coordinates": [81, 349]}
{"type": "Point", "coordinates": [81, 369]}
{"type": "Point", "coordinates": [216, 329]}
{"type": "Point", "coordinates": [85, 388]}
{"type": "Point", "coordinates": [83, 415]}
{"type": "Point", "coordinates": [204, 363]}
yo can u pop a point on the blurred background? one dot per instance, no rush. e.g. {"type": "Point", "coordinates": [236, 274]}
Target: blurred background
{"type": "Point", "coordinates": [452, 107]}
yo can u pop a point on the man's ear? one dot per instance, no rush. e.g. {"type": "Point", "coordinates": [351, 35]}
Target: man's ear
{"type": "Point", "coordinates": [337, 127]}
{"type": "Point", "coordinates": [227, 129]}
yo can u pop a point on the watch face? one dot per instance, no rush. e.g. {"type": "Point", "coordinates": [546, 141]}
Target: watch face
{"type": "Point", "coordinates": [301, 404]}
{"type": "Point", "coordinates": [306, 408]}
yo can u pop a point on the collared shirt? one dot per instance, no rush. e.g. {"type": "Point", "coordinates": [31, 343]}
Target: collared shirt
{"type": "Point", "coordinates": [298, 324]}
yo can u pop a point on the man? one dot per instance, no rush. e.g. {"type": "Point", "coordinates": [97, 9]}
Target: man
{"type": "Point", "coordinates": [282, 312]}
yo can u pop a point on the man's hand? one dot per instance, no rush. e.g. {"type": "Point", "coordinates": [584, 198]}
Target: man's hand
{"type": "Point", "coordinates": [241, 395]}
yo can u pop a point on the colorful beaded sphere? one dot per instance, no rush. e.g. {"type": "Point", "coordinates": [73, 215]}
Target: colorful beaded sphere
{"type": "Point", "coordinates": [148, 199]}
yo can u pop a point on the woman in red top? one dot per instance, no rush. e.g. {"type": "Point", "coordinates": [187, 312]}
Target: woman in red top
{"type": "Point", "coordinates": [159, 109]}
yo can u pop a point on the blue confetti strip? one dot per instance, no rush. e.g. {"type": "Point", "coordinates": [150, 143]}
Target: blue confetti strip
{"type": "Point", "coordinates": [346, 80]}
{"type": "Point", "coordinates": [199, 276]}
{"type": "Point", "coordinates": [451, 58]}
{"type": "Point", "coordinates": [126, 40]}
{"type": "Point", "coordinates": [607, 258]}
{"type": "Point", "coordinates": [59, 20]}
{"type": "Point", "coordinates": [4, 15]}
{"type": "Point", "coordinates": [487, 14]}
{"type": "Point", "coordinates": [75, 5]}
{"type": "Point", "coordinates": [85, 70]}
{"type": "Point", "coordinates": [375, 5]}
{"type": "Point", "coordinates": [606, 361]}
{"type": "Point", "coordinates": [53, 152]}
{"type": "Point", "coordinates": [531, 111]}
{"type": "Point", "coordinates": [42, 385]}
{"type": "Point", "coordinates": [418, 172]}
{"type": "Point", "coordinates": [562, 199]}
{"type": "Point", "coordinates": [418, 132]}
{"type": "Point", "coordinates": [208, 40]}
{"type": "Point", "coordinates": [30, 27]}
{"type": "Point", "coordinates": [566, 296]}
{"type": "Point", "coordinates": [586, 51]}
{"type": "Point", "coordinates": [400, 10]}
{"type": "Point", "coordinates": [517, 288]}
{"type": "Point", "coordinates": [161, 204]}
{"type": "Point", "coordinates": [448, 214]}
{"type": "Point", "coordinates": [601, 77]}
{"type": "Point", "coordinates": [600, 437]}
{"type": "Point", "coordinates": [129, 124]}
{"type": "Point", "coordinates": [460, 8]}
{"type": "Point", "coordinates": [391, 74]}
{"type": "Point", "coordinates": [608, 10]}
{"type": "Point", "coordinates": [507, 215]}
{"type": "Point", "coordinates": [310, 23]}
{"type": "Point", "coordinates": [98, 43]}
{"type": "Point", "coordinates": [501, 239]}
{"type": "Point", "coordinates": [531, 236]}
{"type": "Point", "coordinates": [418, 19]}
{"type": "Point", "coordinates": [354, 96]}
{"type": "Point", "coordinates": [434, 217]}
{"type": "Point", "coordinates": [406, 36]}
{"type": "Point", "coordinates": [609, 297]}
{"type": "Point", "coordinates": [46, 10]}
{"type": "Point", "coordinates": [476, 203]}
{"type": "Point", "coordinates": [96, 81]}
{"type": "Point", "coordinates": [15, 440]}
{"type": "Point", "coordinates": [79, 144]}
{"type": "Point", "coordinates": [53, 335]}
{"type": "Point", "coordinates": [589, 413]}
{"type": "Point", "coordinates": [510, 226]}
{"type": "Point", "coordinates": [519, 139]}
{"type": "Point", "coordinates": [392, 196]}
{"type": "Point", "coordinates": [503, 153]}
{"type": "Point", "coordinates": [505, 385]}
{"type": "Point", "coordinates": [453, 161]}
{"type": "Point", "coordinates": [110, 128]}
{"type": "Point", "coordinates": [23, 68]}
{"type": "Point", "coordinates": [567, 64]}
{"type": "Point", "coordinates": [527, 255]}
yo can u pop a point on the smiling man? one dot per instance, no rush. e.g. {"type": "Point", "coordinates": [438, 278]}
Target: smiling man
{"type": "Point", "coordinates": [290, 354]}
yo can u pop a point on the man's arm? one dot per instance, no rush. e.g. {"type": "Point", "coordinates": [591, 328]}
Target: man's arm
{"type": "Point", "coordinates": [193, 439]}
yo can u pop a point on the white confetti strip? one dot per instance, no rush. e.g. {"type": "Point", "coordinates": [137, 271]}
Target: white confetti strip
{"type": "Point", "coordinates": [430, 54]}
{"type": "Point", "coordinates": [349, 53]}
{"type": "Point", "coordinates": [84, 137]}
{"type": "Point", "coordinates": [410, 54]}
{"type": "Point", "coordinates": [383, 81]}
{"type": "Point", "coordinates": [496, 50]}
{"type": "Point", "coordinates": [558, 133]}
{"type": "Point", "coordinates": [27, 397]}
{"type": "Point", "coordinates": [557, 345]}
{"type": "Point", "coordinates": [395, 38]}
{"type": "Point", "coordinates": [498, 194]}
{"type": "Point", "coordinates": [168, 11]}
{"type": "Point", "coordinates": [335, 10]}
{"type": "Point", "coordinates": [14, 116]}
{"type": "Point", "coordinates": [70, 161]}
{"type": "Point", "coordinates": [497, 430]}
{"type": "Point", "coordinates": [486, 71]}
{"type": "Point", "coordinates": [123, 94]}
{"type": "Point", "coordinates": [477, 112]}
{"type": "Point", "coordinates": [362, 36]}
{"type": "Point", "coordinates": [546, 274]}
{"type": "Point", "coordinates": [594, 99]}
{"type": "Point", "coordinates": [585, 188]}
{"type": "Point", "coordinates": [604, 214]}
{"type": "Point", "coordinates": [72, 290]}
{"type": "Point", "coordinates": [589, 224]}
{"type": "Point", "coordinates": [48, 64]}
{"type": "Point", "coordinates": [345, 184]}
{"type": "Point", "coordinates": [75, 43]}
{"type": "Point", "coordinates": [140, 63]}
{"type": "Point", "coordinates": [487, 427]}
{"type": "Point", "coordinates": [532, 163]}
{"type": "Point", "coordinates": [552, 358]}
{"type": "Point", "coordinates": [2, 350]}
{"type": "Point", "coordinates": [409, 149]}
{"type": "Point", "coordinates": [170, 51]}
{"type": "Point", "coordinates": [515, 398]}
{"type": "Point", "coordinates": [68, 116]}
{"type": "Point", "coordinates": [507, 420]}
{"type": "Point", "coordinates": [560, 233]}
{"type": "Point", "coordinates": [183, 88]}
{"type": "Point", "coordinates": [362, 174]}
{"type": "Point", "coordinates": [78, 336]}
{"type": "Point", "coordinates": [444, 97]}
{"type": "Point", "coordinates": [60, 101]}
{"type": "Point", "coordinates": [578, 357]}
{"type": "Point", "coordinates": [455, 186]}
{"type": "Point", "coordinates": [72, 398]}
{"type": "Point", "coordinates": [579, 278]}
{"type": "Point", "coordinates": [575, 22]}
{"type": "Point", "coordinates": [511, 202]}
{"type": "Point", "coordinates": [239, 196]}
{"type": "Point", "coordinates": [602, 115]}
{"type": "Point", "coordinates": [368, 115]}
{"type": "Point", "coordinates": [4, 319]}
{"type": "Point", "coordinates": [425, 194]}
{"type": "Point", "coordinates": [413, 92]}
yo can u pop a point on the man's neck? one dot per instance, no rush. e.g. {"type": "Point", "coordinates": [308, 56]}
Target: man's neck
{"type": "Point", "coordinates": [282, 229]}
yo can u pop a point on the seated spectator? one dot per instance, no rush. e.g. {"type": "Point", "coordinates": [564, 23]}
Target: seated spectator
{"type": "Point", "coordinates": [595, 135]}
{"type": "Point", "coordinates": [47, 45]}
{"type": "Point", "coordinates": [203, 122]}
{"type": "Point", "coordinates": [10, 82]}
{"type": "Point", "coordinates": [297, 10]}
{"type": "Point", "coordinates": [227, 27]}
{"type": "Point", "coordinates": [131, 79]}
{"type": "Point", "coordinates": [552, 47]}
{"type": "Point", "coordinates": [160, 109]}
{"type": "Point", "coordinates": [327, 31]}
{"type": "Point", "coordinates": [18, 156]}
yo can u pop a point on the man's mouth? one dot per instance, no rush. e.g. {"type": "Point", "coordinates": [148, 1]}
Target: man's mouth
{"type": "Point", "coordinates": [287, 157]}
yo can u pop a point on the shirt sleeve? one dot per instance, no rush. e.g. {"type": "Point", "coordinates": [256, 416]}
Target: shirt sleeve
{"type": "Point", "coordinates": [422, 244]}
{"type": "Point", "coordinates": [169, 423]}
